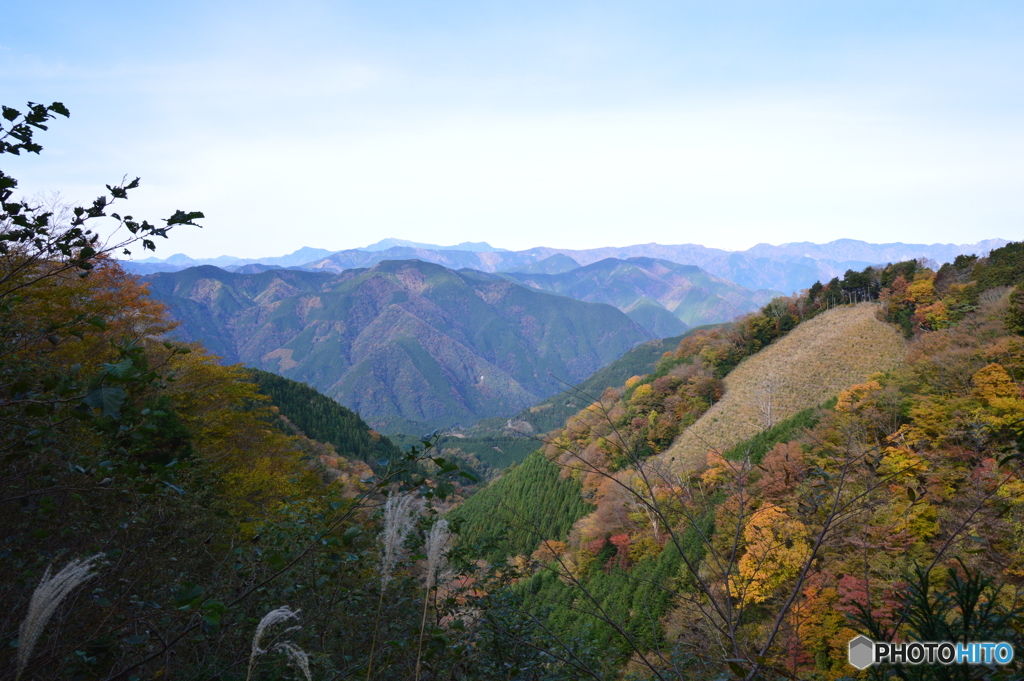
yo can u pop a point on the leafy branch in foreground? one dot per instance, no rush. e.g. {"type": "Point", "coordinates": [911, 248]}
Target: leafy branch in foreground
{"type": "Point", "coordinates": [34, 244]}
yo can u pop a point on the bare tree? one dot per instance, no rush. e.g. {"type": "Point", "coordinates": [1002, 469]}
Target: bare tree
{"type": "Point", "coordinates": [766, 401]}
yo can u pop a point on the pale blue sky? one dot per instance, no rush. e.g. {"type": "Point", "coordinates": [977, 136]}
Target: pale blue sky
{"type": "Point", "coordinates": [335, 124]}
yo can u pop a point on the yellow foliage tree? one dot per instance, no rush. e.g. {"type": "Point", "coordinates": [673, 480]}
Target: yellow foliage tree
{"type": "Point", "coordinates": [776, 547]}
{"type": "Point", "coordinates": [259, 467]}
{"type": "Point", "coordinates": [922, 290]}
{"type": "Point", "coordinates": [994, 386]}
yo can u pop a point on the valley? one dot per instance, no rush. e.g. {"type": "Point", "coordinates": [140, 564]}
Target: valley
{"type": "Point", "coordinates": [742, 496]}
{"type": "Point", "coordinates": [411, 346]}
{"type": "Point", "coordinates": [511, 342]}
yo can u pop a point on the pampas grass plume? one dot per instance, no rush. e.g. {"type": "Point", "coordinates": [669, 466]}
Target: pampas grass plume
{"type": "Point", "coordinates": [48, 595]}
{"type": "Point", "coordinates": [437, 553]}
{"type": "Point", "coordinates": [399, 520]}
{"type": "Point", "coordinates": [297, 657]}
{"type": "Point", "coordinates": [272, 618]}
{"type": "Point", "coordinates": [437, 550]}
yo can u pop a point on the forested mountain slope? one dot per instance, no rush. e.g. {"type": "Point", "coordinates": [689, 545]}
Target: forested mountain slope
{"type": "Point", "coordinates": [409, 345]}
{"type": "Point", "coordinates": [159, 519]}
{"type": "Point", "coordinates": [895, 494]}
{"type": "Point", "coordinates": [816, 360]}
{"type": "Point", "coordinates": [646, 288]}
{"type": "Point", "coordinates": [528, 503]}
{"type": "Point", "coordinates": [552, 412]}
{"type": "Point", "coordinates": [500, 442]}
{"type": "Point", "coordinates": [319, 417]}
{"type": "Point", "coordinates": [162, 475]}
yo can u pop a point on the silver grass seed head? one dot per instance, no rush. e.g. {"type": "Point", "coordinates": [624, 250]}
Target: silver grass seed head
{"type": "Point", "coordinates": [272, 618]}
{"type": "Point", "coordinates": [282, 614]}
{"type": "Point", "coordinates": [399, 520]}
{"type": "Point", "coordinates": [297, 658]}
{"type": "Point", "coordinates": [47, 597]}
{"type": "Point", "coordinates": [438, 543]}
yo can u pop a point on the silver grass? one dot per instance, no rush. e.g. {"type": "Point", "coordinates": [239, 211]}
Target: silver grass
{"type": "Point", "coordinates": [437, 554]}
{"type": "Point", "coordinates": [399, 519]}
{"type": "Point", "coordinates": [297, 657]}
{"type": "Point", "coordinates": [272, 618]}
{"type": "Point", "coordinates": [437, 550]}
{"type": "Point", "coordinates": [48, 595]}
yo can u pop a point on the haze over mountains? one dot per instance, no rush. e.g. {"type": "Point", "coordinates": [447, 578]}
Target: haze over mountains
{"type": "Point", "coordinates": [394, 332]}
{"type": "Point", "coordinates": [786, 268]}
{"type": "Point", "coordinates": [662, 296]}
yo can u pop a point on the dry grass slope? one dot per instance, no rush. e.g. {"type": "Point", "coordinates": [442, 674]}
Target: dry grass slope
{"type": "Point", "coordinates": [814, 362]}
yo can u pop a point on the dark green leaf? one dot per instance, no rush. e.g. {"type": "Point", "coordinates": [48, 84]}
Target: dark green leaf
{"type": "Point", "coordinates": [350, 534]}
{"type": "Point", "coordinates": [107, 399]}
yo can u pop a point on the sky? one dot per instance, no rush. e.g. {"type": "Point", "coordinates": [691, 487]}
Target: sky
{"type": "Point", "coordinates": [562, 124]}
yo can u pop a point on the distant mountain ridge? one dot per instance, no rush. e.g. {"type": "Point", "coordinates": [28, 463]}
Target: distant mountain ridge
{"type": "Point", "coordinates": [852, 249]}
{"type": "Point", "coordinates": [180, 261]}
{"type": "Point", "coordinates": [787, 267]}
{"type": "Point", "coordinates": [409, 345]}
{"type": "Point", "coordinates": [471, 246]}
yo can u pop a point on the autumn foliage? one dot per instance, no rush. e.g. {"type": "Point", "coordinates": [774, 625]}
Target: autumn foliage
{"type": "Point", "coordinates": [825, 524]}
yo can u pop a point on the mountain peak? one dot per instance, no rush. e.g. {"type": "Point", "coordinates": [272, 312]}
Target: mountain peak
{"type": "Point", "coordinates": [470, 246]}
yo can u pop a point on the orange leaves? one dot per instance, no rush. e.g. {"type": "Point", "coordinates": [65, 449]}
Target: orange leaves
{"type": "Point", "coordinates": [821, 627]}
{"type": "Point", "coordinates": [718, 469]}
{"type": "Point", "coordinates": [857, 396]}
{"type": "Point", "coordinates": [783, 467]}
{"type": "Point", "coordinates": [72, 320]}
{"type": "Point", "coordinates": [549, 551]}
{"type": "Point", "coordinates": [899, 288]}
{"type": "Point", "coordinates": [934, 315]}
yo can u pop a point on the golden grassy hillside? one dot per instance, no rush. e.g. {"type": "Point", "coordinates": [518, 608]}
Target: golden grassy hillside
{"type": "Point", "coordinates": [814, 362]}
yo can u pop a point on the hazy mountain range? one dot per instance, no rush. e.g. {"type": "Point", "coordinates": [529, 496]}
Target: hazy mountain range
{"type": "Point", "coordinates": [410, 345]}
{"type": "Point", "coordinates": [664, 297]}
{"type": "Point", "coordinates": [786, 268]}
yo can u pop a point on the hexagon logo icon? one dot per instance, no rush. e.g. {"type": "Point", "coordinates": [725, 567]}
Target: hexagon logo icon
{"type": "Point", "coordinates": [862, 652]}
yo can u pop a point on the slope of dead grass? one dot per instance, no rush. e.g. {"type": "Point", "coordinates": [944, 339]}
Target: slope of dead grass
{"type": "Point", "coordinates": [814, 362]}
